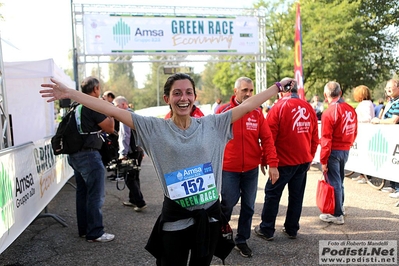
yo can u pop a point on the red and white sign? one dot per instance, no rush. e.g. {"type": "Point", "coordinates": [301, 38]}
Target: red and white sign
{"type": "Point", "coordinates": [298, 68]}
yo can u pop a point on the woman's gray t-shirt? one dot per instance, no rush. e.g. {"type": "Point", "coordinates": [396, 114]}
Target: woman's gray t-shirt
{"type": "Point", "coordinates": [172, 149]}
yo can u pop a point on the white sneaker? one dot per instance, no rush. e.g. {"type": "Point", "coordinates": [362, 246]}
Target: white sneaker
{"type": "Point", "coordinates": [362, 181]}
{"type": "Point", "coordinates": [343, 211]}
{"type": "Point", "coordinates": [357, 178]}
{"type": "Point", "coordinates": [332, 219]}
{"type": "Point", "coordinates": [394, 195]}
{"type": "Point", "coordinates": [388, 190]}
{"type": "Point", "coordinates": [129, 204]}
{"type": "Point", "coordinates": [104, 238]}
{"type": "Point", "coordinates": [139, 209]}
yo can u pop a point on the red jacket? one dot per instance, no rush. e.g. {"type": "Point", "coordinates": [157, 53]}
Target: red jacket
{"type": "Point", "coordinates": [293, 124]}
{"type": "Point", "coordinates": [338, 128]}
{"type": "Point", "coordinates": [244, 152]}
{"type": "Point", "coordinates": [195, 112]}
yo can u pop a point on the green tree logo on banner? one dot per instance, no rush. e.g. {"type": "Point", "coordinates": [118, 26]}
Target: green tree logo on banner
{"type": "Point", "coordinates": [121, 32]}
{"type": "Point", "coordinates": [6, 203]}
{"type": "Point", "coordinates": [378, 150]}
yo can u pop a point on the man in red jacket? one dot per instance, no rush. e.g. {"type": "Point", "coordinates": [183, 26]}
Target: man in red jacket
{"type": "Point", "coordinates": [252, 144]}
{"type": "Point", "coordinates": [293, 124]}
{"type": "Point", "coordinates": [338, 132]}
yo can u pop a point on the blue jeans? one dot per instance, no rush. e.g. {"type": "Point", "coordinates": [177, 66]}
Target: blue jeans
{"type": "Point", "coordinates": [394, 185]}
{"type": "Point", "coordinates": [234, 186]}
{"type": "Point", "coordinates": [89, 175]}
{"type": "Point", "coordinates": [295, 177]}
{"type": "Point", "coordinates": [336, 174]}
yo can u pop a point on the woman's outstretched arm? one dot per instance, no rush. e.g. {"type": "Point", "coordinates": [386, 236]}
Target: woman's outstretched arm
{"type": "Point", "coordinates": [57, 91]}
{"type": "Point", "coordinates": [257, 100]}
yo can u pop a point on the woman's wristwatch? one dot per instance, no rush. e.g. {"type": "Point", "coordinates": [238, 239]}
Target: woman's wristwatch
{"type": "Point", "coordinates": [282, 88]}
{"type": "Point", "coordinates": [279, 87]}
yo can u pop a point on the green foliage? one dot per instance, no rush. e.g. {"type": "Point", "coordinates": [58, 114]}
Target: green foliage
{"type": "Point", "coordinates": [280, 43]}
{"type": "Point", "coordinates": [227, 73]}
{"type": "Point", "coordinates": [121, 79]}
{"type": "Point", "coordinates": [352, 42]}
{"type": "Point", "coordinates": [346, 41]}
{"type": "Point", "coordinates": [209, 91]}
{"type": "Point", "coordinates": [147, 96]}
{"type": "Point", "coordinates": [118, 70]}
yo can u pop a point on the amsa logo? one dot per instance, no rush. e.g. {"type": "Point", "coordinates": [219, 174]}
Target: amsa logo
{"type": "Point", "coordinates": [395, 160]}
{"type": "Point", "coordinates": [378, 150]}
{"type": "Point", "coordinates": [148, 32]}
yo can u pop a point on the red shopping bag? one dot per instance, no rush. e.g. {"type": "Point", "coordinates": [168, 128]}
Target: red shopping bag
{"type": "Point", "coordinates": [325, 196]}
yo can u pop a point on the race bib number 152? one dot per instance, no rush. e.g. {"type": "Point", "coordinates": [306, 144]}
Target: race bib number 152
{"type": "Point", "coordinates": [192, 186]}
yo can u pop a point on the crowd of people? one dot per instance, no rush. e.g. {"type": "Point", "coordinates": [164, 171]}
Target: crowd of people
{"type": "Point", "coordinates": [240, 140]}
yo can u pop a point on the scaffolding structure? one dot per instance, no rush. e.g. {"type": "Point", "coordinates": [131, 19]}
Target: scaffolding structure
{"type": "Point", "coordinates": [82, 58]}
{"type": "Point", "coordinates": [5, 124]}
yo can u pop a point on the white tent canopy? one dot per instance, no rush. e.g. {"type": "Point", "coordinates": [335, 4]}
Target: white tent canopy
{"type": "Point", "coordinates": [31, 116]}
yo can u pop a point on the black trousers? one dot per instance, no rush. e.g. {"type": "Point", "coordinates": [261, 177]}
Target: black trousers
{"type": "Point", "coordinates": [177, 246]}
{"type": "Point", "coordinates": [133, 184]}
{"type": "Point", "coordinates": [132, 180]}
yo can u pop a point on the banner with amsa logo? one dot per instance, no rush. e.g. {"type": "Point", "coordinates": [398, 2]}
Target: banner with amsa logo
{"type": "Point", "coordinates": [113, 34]}
{"type": "Point", "coordinates": [30, 177]}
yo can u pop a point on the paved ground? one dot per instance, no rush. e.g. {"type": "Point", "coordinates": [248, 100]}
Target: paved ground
{"type": "Point", "coordinates": [371, 215]}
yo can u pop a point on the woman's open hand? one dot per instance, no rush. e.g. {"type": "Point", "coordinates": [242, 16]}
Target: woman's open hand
{"type": "Point", "coordinates": [55, 91]}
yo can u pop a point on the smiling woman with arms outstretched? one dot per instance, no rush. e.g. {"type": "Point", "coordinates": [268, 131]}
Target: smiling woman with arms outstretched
{"type": "Point", "coordinates": [58, 91]}
{"type": "Point", "coordinates": [191, 208]}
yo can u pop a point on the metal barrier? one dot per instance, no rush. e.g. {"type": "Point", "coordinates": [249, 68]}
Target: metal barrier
{"type": "Point", "coordinates": [30, 177]}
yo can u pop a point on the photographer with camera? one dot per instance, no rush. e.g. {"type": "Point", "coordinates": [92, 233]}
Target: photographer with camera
{"type": "Point", "coordinates": [293, 124]}
{"type": "Point", "coordinates": [131, 156]}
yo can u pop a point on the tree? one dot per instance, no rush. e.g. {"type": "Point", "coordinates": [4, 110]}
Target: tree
{"type": "Point", "coordinates": [228, 72]}
{"type": "Point", "coordinates": [347, 41]}
{"type": "Point", "coordinates": [280, 40]}
{"type": "Point", "coordinates": [352, 42]}
{"type": "Point", "coordinates": [220, 77]}
{"type": "Point", "coordinates": [147, 96]}
{"type": "Point", "coordinates": [209, 92]}
{"type": "Point", "coordinates": [118, 69]}
{"type": "Point", "coordinates": [121, 78]}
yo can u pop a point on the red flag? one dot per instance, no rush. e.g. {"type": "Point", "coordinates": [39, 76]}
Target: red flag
{"type": "Point", "coordinates": [298, 69]}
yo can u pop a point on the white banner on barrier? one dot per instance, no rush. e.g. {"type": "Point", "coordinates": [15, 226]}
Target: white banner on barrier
{"type": "Point", "coordinates": [375, 151]}
{"type": "Point", "coordinates": [113, 34]}
{"type": "Point", "coordinates": [30, 177]}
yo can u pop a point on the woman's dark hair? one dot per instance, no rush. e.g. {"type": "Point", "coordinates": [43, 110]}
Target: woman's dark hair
{"type": "Point", "coordinates": [88, 84]}
{"type": "Point", "coordinates": [178, 76]}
